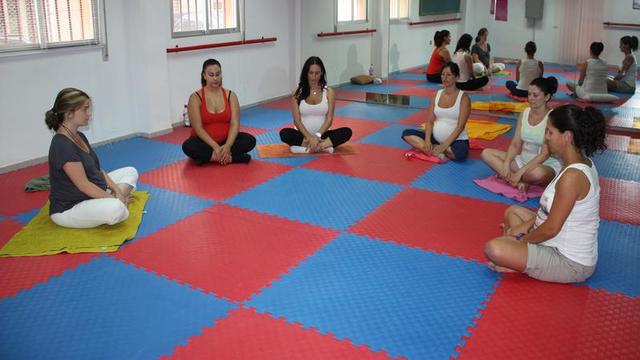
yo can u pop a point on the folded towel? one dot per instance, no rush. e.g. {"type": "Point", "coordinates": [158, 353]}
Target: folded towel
{"type": "Point", "coordinates": [282, 150]}
{"type": "Point", "coordinates": [37, 184]}
{"type": "Point", "coordinates": [499, 186]}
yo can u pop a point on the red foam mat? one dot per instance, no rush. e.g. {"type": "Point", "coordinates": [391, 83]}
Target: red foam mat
{"type": "Point", "coordinates": [14, 199]}
{"type": "Point", "coordinates": [435, 221]}
{"type": "Point", "coordinates": [230, 252]}
{"type": "Point", "coordinates": [530, 319]}
{"type": "Point", "coordinates": [245, 334]}
{"type": "Point", "coordinates": [359, 127]}
{"type": "Point", "coordinates": [374, 162]}
{"type": "Point", "coordinates": [212, 181]}
{"type": "Point", "coordinates": [619, 200]}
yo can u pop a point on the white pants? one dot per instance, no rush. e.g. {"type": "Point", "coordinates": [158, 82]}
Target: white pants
{"type": "Point", "coordinates": [96, 212]}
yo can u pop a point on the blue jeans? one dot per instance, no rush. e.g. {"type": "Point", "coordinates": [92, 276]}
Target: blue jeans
{"type": "Point", "coordinates": [460, 148]}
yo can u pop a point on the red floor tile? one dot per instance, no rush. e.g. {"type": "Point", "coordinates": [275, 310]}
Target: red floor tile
{"type": "Point", "coordinates": [500, 143]}
{"type": "Point", "coordinates": [283, 103]}
{"type": "Point", "coordinates": [359, 127]}
{"type": "Point", "coordinates": [177, 136]}
{"type": "Point", "coordinates": [619, 200]}
{"type": "Point", "coordinates": [417, 91]}
{"type": "Point", "coordinates": [245, 334]}
{"type": "Point", "coordinates": [8, 228]}
{"type": "Point", "coordinates": [374, 162]}
{"type": "Point", "coordinates": [229, 251]}
{"type": "Point", "coordinates": [617, 142]}
{"type": "Point", "coordinates": [434, 221]}
{"type": "Point", "coordinates": [529, 319]}
{"type": "Point", "coordinates": [350, 95]}
{"type": "Point", "coordinates": [212, 181]}
{"type": "Point", "coordinates": [416, 119]}
{"type": "Point", "coordinates": [14, 199]}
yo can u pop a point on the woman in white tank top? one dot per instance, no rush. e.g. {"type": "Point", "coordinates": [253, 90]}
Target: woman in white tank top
{"type": "Point", "coordinates": [625, 80]}
{"type": "Point", "coordinates": [592, 83]}
{"type": "Point", "coordinates": [445, 134]}
{"type": "Point", "coordinates": [559, 243]}
{"type": "Point", "coordinates": [312, 106]}
{"type": "Point", "coordinates": [527, 69]}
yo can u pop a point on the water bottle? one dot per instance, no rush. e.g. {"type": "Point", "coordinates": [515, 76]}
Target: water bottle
{"type": "Point", "coordinates": [185, 117]}
{"type": "Point", "coordinates": [371, 70]}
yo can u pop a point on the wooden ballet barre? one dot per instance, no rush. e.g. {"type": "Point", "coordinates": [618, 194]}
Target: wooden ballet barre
{"type": "Point", "coordinates": [615, 24]}
{"type": "Point", "coordinates": [412, 23]}
{"type": "Point", "coordinates": [221, 44]}
{"type": "Point", "coordinates": [338, 33]}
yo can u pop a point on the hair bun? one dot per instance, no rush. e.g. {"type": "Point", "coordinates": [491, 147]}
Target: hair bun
{"type": "Point", "coordinates": [553, 84]}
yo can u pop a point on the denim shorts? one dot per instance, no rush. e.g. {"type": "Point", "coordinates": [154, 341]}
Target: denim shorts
{"type": "Point", "coordinates": [460, 148]}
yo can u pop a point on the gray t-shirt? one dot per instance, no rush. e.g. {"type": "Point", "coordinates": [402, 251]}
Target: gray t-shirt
{"type": "Point", "coordinates": [484, 56]}
{"type": "Point", "coordinates": [64, 194]}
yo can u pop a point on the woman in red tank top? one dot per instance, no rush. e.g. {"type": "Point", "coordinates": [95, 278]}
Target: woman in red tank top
{"type": "Point", "coordinates": [215, 117]}
{"type": "Point", "coordinates": [439, 56]}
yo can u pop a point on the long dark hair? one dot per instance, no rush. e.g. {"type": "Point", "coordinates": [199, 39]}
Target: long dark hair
{"type": "Point", "coordinates": [304, 90]}
{"type": "Point", "coordinates": [630, 41]}
{"type": "Point", "coordinates": [67, 100]}
{"type": "Point", "coordinates": [206, 64]}
{"type": "Point", "coordinates": [438, 37]}
{"type": "Point", "coordinates": [464, 43]}
{"type": "Point", "coordinates": [588, 126]}
{"type": "Point", "coordinates": [481, 32]}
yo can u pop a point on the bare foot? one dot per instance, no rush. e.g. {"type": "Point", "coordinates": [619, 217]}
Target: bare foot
{"type": "Point", "coordinates": [522, 187]}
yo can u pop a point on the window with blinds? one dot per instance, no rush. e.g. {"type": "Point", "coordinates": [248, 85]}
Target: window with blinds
{"type": "Point", "coordinates": [398, 9]}
{"type": "Point", "coordinates": [203, 17]}
{"type": "Point", "coordinates": [42, 24]}
{"type": "Point", "coordinates": [352, 10]}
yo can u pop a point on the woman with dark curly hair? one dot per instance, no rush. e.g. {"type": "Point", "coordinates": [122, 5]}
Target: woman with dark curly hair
{"type": "Point", "coordinates": [559, 243]}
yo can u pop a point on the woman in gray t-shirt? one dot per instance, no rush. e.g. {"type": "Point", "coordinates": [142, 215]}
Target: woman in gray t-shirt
{"type": "Point", "coordinates": [82, 194]}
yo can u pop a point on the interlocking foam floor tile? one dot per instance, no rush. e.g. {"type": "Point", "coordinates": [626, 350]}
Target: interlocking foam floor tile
{"type": "Point", "coordinates": [419, 102]}
{"type": "Point", "coordinates": [409, 76]}
{"type": "Point", "coordinates": [177, 136]}
{"type": "Point", "coordinates": [389, 136]}
{"type": "Point", "coordinates": [141, 153]}
{"type": "Point", "coordinates": [372, 88]}
{"type": "Point", "coordinates": [430, 85]}
{"type": "Point", "coordinates": [144, 316]}
{"type": "Point", "coordinates": [212, 181]}
{"type": "Point", "coordinates": [382, 295]}
{"type": "Point", "coordinates": [14, 199]}
{"type": "Point", "coordinates": [281, 104]}
{"type": "Point", "coordinates": [228, 251]}
{"type": "Point", "coordinates": [265, 118]}
{"type": "Point", "coordinates": [529, 319]}
{"type": "Point", "coordinates": [245, 334]}
{"type": "Point", "coordinates": [618, 258]}
{"type": "Point", "coordinates": [350, 95]}
{"type": "Point", "coordinates": [359, 127]}
{"type": "Point", "coordinates": [403, 82]}
{"type": "Point", "coordinates": [316, 197]}
{"type": "Point", "coordinates": [619, 200]}
{"type": "Point", "coordinates": [500, 143]}
{"type": "Point", "coordinates": [374, 112]}
{"type": "Point", "coordinates": [418, 91]}
{"type": "Point", "coordinates": [617, 142]}
{"type": "Point", "coordinates": [416, 119]}
{"type": "Point", "coordinates": [618, 165]}
{"type": "Point", "coordinates": [374, 163]}
{"type": "Point", "coordinates": [166, 207]}
{"type": "Point", "coordinates": [634, 146]}
{"type": "Point", "coordinates": [25, 217]}
{"type": "Point", "coordinates": [436, 222]}
{"type": "Point", "coordinates": [456, 178]}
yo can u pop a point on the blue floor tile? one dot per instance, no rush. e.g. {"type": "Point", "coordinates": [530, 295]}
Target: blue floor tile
{"type": "Point", "coordinates": [265, 118]}
{"type": "Point", "coordinates": [142, 153]}
{"type": "Point", "coordinates": [374, 112]}
{"type": "Point", "coordinates": [389, 136]}
{"type": "Point", "coordinates": [389, 297]}
{"type": "Point", "coordinates": [25, 217]}
{"type": "Point", "coordinates": [316, 197]}
{"type": "Point", "coordinates": [372, 88]}
{"type": "Point", "coordinates": [408, 76]}
{"type": "Point", "coordinates": [456, 178]}
{"type": "Point", "coordinates": [618, 165]}
{"type": "Point", "coordinates": [104, 310]}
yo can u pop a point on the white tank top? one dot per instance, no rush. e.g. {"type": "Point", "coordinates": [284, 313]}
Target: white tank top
{"type": "Point", "coordinates": [447, 119]}
{"type": "Point", "coordinates": [465, 72]}
{"type": "Point", "coordinates": [595, 79]}
{"type": "Point", "coordinates": [578, 238]}
{"type": "Point", "coordinates": [529, 70]}
{"type": "Point", "coordinates": [630, 76]}
{"type": "Point", "coordinates": [532, 137]}
{"type": "Point", "coordinates": [313, 116]}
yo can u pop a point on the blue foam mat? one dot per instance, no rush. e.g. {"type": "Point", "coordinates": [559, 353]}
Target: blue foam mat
{"type": "Point", "coordinates": [389, 297]}
{"type": "Point", "coordinates": [456, 178]}
{"type": "Point", "coordinates": [128, 153]}
{"type": "Point", "coordinates": [408, 76]}
{"type": "Point", "coordinates": [265, 118]}
{"type": "Point", "coordinates": [374, 112]}
{"type": "Point", "coordinates": [104, 310]}
{"type": "Point", "coordinates": [316, 197]}
{"type": "Point", "coordinates": [618, 165]}
{"type": "Point", "coordinates": [618, 258]}
{"type": "Point", "coordinates": [25, 217]}
{"type": "Point", "coordinates": [389, 136]}
{"type": "Point", "coordinates": [380, 89]}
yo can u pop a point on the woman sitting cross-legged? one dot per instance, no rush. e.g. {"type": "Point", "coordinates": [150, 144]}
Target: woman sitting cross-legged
{"type": "Point", "coordinates": [312, 106]}
{"type": "Point", "coordinates": [215, 117]}
{"type": "Point", "coordinates": [82, 194]}
{"type": "Point", "coordinates": [445, 134]}
{"type": "Point", "coordinates": [559, 243]}
{"type": "Point", "coordinates": [528, 160]}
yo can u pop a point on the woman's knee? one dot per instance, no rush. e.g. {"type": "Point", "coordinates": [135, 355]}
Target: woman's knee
{"type": "Point", "coordinates": [115, 211]}
{"type": "Point", "coordinates": [493, 249]}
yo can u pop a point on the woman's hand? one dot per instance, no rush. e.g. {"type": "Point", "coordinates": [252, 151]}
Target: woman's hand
{"type": "Point", "coordinates": [314, 143]}
{"type": "Point", "coordinates": [225, 155]}
{"type": "Point", "coordinates": [428, 148]}
{"type": "Point", "coordinates": [121, 196]}
{"type": "Point", "coordinates": [439, 149]}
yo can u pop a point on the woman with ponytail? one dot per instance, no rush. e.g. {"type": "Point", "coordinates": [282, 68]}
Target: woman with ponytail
{"type": "Point", "coordinates": [481, 52]}
{"type": "Point", "coordinates": [82, 194]}
{"type": "Point", "coordinates": [625, 80]}
{"type": "Point", "coordinates": [528, 160]}
{"type": "Point", "coordinates": [439, 56]}
{"type": "Point", "coordinates": [559, 243]}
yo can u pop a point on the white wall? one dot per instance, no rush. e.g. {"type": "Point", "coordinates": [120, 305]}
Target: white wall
{"type": "Point", "coordinates": [620, 12]}
{"type": "Point", "coordinates": [141, 88]}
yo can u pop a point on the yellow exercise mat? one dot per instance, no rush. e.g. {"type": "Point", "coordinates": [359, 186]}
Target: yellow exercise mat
{"type": "Point", "coordinates": [503, 72]}
{"type": "Point", "coordinates": [41, 236]}
{"type": "Point", "coordinates": [507, 106]}
{"type": "Point", "coordinates": [483, 129]}
{"type": "Point", "coordinates": [282, 150]}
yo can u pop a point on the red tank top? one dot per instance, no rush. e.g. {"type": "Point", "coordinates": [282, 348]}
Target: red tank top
{"type": "Point", "coordinates": [436, 62]}
{"type": "Point", "coordinates": [215, 124]}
